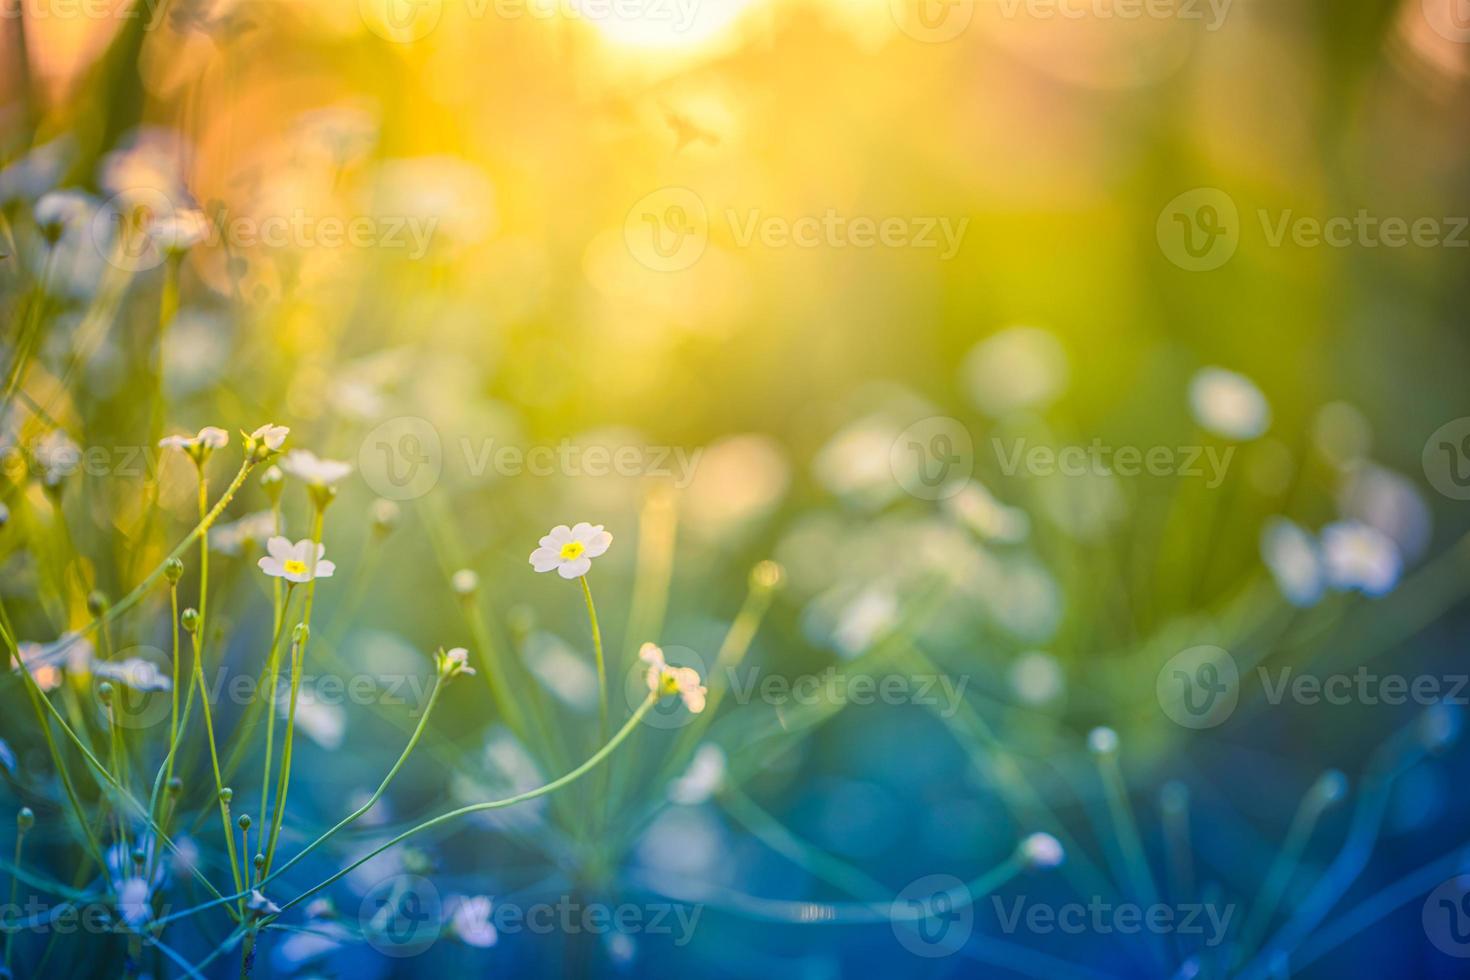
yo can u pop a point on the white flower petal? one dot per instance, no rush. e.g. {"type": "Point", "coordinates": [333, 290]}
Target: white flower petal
{"type": "Point", "coordinates": [575, 568]}
{"type": "Point", "coordinates": [545, 559]}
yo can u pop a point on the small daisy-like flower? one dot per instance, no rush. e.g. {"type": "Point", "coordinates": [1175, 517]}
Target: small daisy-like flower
{"type": "Point", "coordinates": [295, 562]}
{"type": "Point", "coordinates": [267, 440]}
{"type": "Point", "coordinates": [1228, 404]}
{"type": "Point", "coordinates": [1359, 557]}
{"type": "Point", "coordinates": [664, 680]}
{"type": "Point", "coordinates": [135, 672]}
{"type": "Point", "coordinates": [198, 447]}
{"type": "Point", "coordinates": [310, 469]}
{"type": "Point", "coordinates": [469, 920]}
{"type": "Point", "coordinates": [1295, 561]}
{"type": "Point", "coordinates": [451, 663]}
{"type": "Point", "coordinates": [570, 550]}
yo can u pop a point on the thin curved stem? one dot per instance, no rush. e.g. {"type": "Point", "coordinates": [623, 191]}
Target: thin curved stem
{"type": "Point", "coordinates": [601, 667]}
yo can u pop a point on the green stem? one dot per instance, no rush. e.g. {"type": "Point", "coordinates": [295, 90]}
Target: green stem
{"type": "Point", "coordinates": [298, 660]}
{"type": "Point", "coordinates": [273, 669]}
{"type": "Point", "coordinates": [601, 668]}
{"type": "Point", "coordinates": [550, 787]}
{"type": "Point", "coordinates": [224, 808]}
{"type": "Point", "coordinates": [382, 787]}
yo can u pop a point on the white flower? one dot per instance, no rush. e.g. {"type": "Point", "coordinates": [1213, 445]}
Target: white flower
{"type": "Point", "coordinates": [1360, 557]}
{"type": "Point", "coordinates": [570, 550]}
{"type": "Point", "coordinates": [1021, 367]}
{"type": "Point", "coordinates": [702, 779]}
{"type": "Point", "coordinates": [1228, 404]}
{"type": "Point", "coordinates": [260, 905]}
{"type": "Point", "coordinates": [57, 455]}
{"type": "Point", "coordinates": [469, 920]}
{"type": "Point", "coordinates": [179, 230]}
{"type": "Point", "coordinates": [1037, 678]}
{"type": "Point", "coordinates": [295, 563]}
{"type": "Point", "coordinates": [132, 903]}
{"type": "Point", "coordinates": [663, 679]}
{"type": "Point", "coordinates": [235, 537]}
{"type": "Point", "coordinates": [1042, 851]}
{"type": "Point", "coordinates": [135, 672]}
{"type": "Point", "coordinates": [272, 437]}
{"type": "Point", "coordinates": [865, 620]}
{"type": "Point", "coordinates": [976, 508]}
{"type": "Point", "coordinates": [1295, 561]}
{"type": "Point", "coordinates": [307, 467]}
{"type": "Point", "coordinates": [451, 663]}
{"type": "Point", "coordinates": [58, 210]}
{"type": "Point", "coordinates": [199, 446]}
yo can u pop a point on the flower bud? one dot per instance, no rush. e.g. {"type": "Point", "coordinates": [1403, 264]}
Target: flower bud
{"type": "Point", "coordinates": [386, 515]}
{"type": "Point", "coordinates": [175, 786]}
{"type": "Point", "coordinates": [173, 570]}
{"type": "Point", "coordinates": [226, 795]}
{"type": "Point", "coordinates": [259, 862]}
{"type": "Point", "coordinates": [301, 634]}
{"type": "Point", "coordinates": [25, 819]}
{"type": "Point", "coordinates": [104, 693]}
{"type": "Point", "coordinates": [139, 856]}
{"type": "Point", "coordinates": [244, 821]}
{"type": "Point", "coordinates": [767, 576]}
{"type": "Point", "coordinates": [190, 620]}
{"type": "Point", "coordinates": [97, 602]}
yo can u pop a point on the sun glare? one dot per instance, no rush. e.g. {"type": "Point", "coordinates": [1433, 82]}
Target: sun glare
{"type": "Point", "coordinates": [667, 24]}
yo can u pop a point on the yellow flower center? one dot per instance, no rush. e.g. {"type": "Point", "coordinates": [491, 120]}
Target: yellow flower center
{"type": "Point", "coordinates": [294, 567]}
{"type": "Point", "coordinates": [572, 549]}
{"type": "Point", "coordinates": [668, 683]}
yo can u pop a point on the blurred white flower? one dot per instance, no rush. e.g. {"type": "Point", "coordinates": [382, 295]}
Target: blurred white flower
{"type": "Point", "coordinates": [179, 230]}
{"type": "Point", "coordinates": [1042, 851]}
{"type": "Point", "coordinates": [312, 470]}
{"type": "Point", "coordinates": [58, 211]}
{"type": "Point", "coordinates": [664, 680]}
{"type": "Point", "coordinates": [1390, 502]}
{"type": "Point", "coordinates": [132, 903]}
{"type": "Point", "coordinates": [324, 722]}
{"type": "Point", "coordinates": [37, 171]}
{"type": "Point", "coordinates": [568, 676]}
{"type": "Point", "coordinates": [58, 456]}
{"type": "Point", "coordinates": [183, 857]}
{"type": "Point", "coordinates": [1359, 557]}
{"type": "Point", "coordinates": [1228, 404]}
{"type": "Point", "coordinates": [1037, 678]}
{"type": "Point", "coordinates": [1295, 561]}
{"type": "Point", "coordinates": [702, 779]}
{"type": "Point", "coordinates": [570, 550]}
{"type": "Point", "coordinates": [135, 672]}
{"type": "Point", "coordinates": [46, 662]}
{"type": "Point", "coordinates": [854, 463]}
{"type": "Point", "coordinates": [975, 507]}
{"type": "Point", "coordinates": [151, 161]}
{"type": "Point", "coordinates": [469, 920]}
{"type": "Point", "coordinates": [273, 437]}
{"type": "Point", "coordinates": [865, 620]}
{"type": "Point", "coordinates": [295, 563]}
{"type": "Point", "coordinates": [235, 537]}
{"type": "Point", "coordinates": [1021, 367]}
